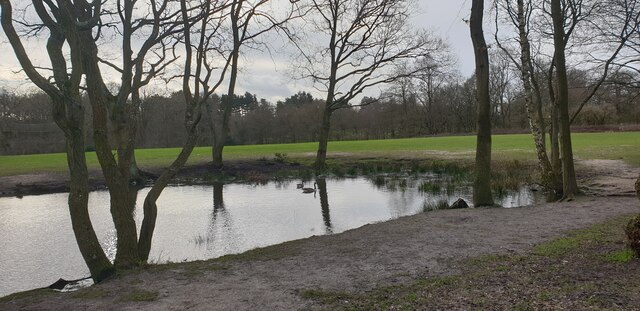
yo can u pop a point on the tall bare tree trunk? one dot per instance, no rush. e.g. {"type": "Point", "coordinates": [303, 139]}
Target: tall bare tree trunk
{"type": "Point", "coordinates": [227, 105]}
{"type": "Point", "coordinates": [482, 183]}
{"type": "Point", "coordinates": [116, 173]}
{"type": "Point", "coordinates": [222, 132]}
{"type": "Point", "coordinates": [99, 265]}
{"type": "Point", "coordinates": [569, 183]}
{"type": "Point", "coordinates": [556, 162]}
{"type": "Point", "coordinates": [554, 133]}
{"type": "Point", "coordinates": [532, 96]}
{"type": "Point", "coordinates": [323, 140]}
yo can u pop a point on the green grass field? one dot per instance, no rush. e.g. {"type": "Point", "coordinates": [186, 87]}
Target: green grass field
{"type": "Point", "coordinates": [619, 145]}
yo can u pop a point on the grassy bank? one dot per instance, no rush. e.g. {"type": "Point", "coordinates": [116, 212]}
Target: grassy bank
{"type": "Point", "coordinates": [610, 145]}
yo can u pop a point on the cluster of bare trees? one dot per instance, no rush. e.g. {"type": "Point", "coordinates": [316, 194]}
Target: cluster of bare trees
{"type": "Point", "coordinates": [599, 35]}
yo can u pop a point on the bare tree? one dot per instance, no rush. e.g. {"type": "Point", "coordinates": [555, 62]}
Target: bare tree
{"type": "Point", "coordinates": [362, 41]}
{"type": "Point", "coordinates": [482, 182]}
{"type": "Point", "coordinates": [82, 26]}
{"type": "Point", "coordinates": [68, 112]}
{"type": "Point", "coordinates": [520, 18]}
{"type": "Point", "coordinates": [199, 82]}
{"type": "Point", "coordinates": [248, 20]}
{"type": "Point", "coordinates": [438, 70]}
{"type": "Point", "coordinates": [569, 183]}
{"type": "Point", "coordinates": [153, 23]}
{"type": "Point", "coordinates": [618, 27]}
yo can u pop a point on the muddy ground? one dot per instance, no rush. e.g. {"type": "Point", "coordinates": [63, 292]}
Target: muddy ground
{"type": "Point", "coordinates": [357, 261]}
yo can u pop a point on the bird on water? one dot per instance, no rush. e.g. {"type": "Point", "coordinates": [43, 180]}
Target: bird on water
{"type": "Point", "coordinates": [309, 190]}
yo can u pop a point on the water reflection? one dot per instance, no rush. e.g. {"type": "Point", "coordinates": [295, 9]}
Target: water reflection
{"type": "Point", "coordinates": [220, 224]}
{"type": "Point", "coordinates": [324, 204]}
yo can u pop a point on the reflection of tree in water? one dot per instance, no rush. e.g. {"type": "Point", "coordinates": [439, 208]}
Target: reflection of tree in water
{"type": "Point", "coordinates": [523, 197]}
{"type": "Point", "coordinates": [219, 232]}
{"type": "Point", "coordinates": [324, 204]}
{"type": "Point", "coordinates": [398, 189]}
{"type": "Point", "coordinates": [393, 183]}
{"type": "Point", "coordinates": [402, 202]}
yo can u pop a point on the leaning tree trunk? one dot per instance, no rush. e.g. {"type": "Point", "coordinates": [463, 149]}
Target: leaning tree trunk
{"type": "Point", "coordinates": [150, 205]}
{"type": "Point", "coordinates": [569, 182]}
{"type": "Point", "coordinates": [323, 140]}
{"type": "Point", "coordinates": [482, 183]}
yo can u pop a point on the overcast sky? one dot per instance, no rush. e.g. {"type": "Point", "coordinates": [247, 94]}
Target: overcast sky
{"type": "Point", "coordinates": [445, 17]}
{"type": "Point", "coordinates": [266, 76]}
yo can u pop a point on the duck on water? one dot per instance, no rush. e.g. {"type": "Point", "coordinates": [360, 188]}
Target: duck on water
{"type": "Point", "coordinates": [309, 190]}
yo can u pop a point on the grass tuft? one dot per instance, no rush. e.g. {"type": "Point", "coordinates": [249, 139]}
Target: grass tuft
{"type": "Point", "coordinates": [90, 293]}
{"type": "Point", "coordinates": [621, 256]}
{"type": "Point", "coordinates": [140, 295]}
{"type": "Point", "coordinates": [434, 205]}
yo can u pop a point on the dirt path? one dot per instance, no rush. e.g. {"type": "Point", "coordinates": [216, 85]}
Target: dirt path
{"type": "Point", "coordinates": [357, 260]}
{"type": "Point", "coordinates": [607, 177]}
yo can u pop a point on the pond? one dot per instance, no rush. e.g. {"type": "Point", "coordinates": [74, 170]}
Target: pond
{"type": "Point", "coordinates": [200, 222]}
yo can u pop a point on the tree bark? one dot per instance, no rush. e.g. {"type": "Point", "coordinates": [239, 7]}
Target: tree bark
{"type": "Point", "coordinates": [556, 162]}
{"type": "Point", "coordinates": [116, 173]}
{"type": "Point", "coordinates": [99, 265]}
{"type": "Point", "coordinates": [569, 183]}
{"type": "Point", "coordinates": [532, 96]}
{"type": "Point", "coordinates": [482, 184]}
{"type": "Point", "coordinates": [227, 105]}
{"type": "Point", "coordinates": [323, 140]}
{"type": "Point", "coordinates": [638, 187]}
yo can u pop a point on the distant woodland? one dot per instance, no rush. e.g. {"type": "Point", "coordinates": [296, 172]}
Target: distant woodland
{"type": "Point", "coordinates": [434, 105]}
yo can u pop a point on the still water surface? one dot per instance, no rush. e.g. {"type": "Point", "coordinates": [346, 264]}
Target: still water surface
{"type": "Point", "coordinates": [199, 222]}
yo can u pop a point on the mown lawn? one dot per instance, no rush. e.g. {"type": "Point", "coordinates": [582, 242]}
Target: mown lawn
{"type": "Point", "coordinates": [609, 145]}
